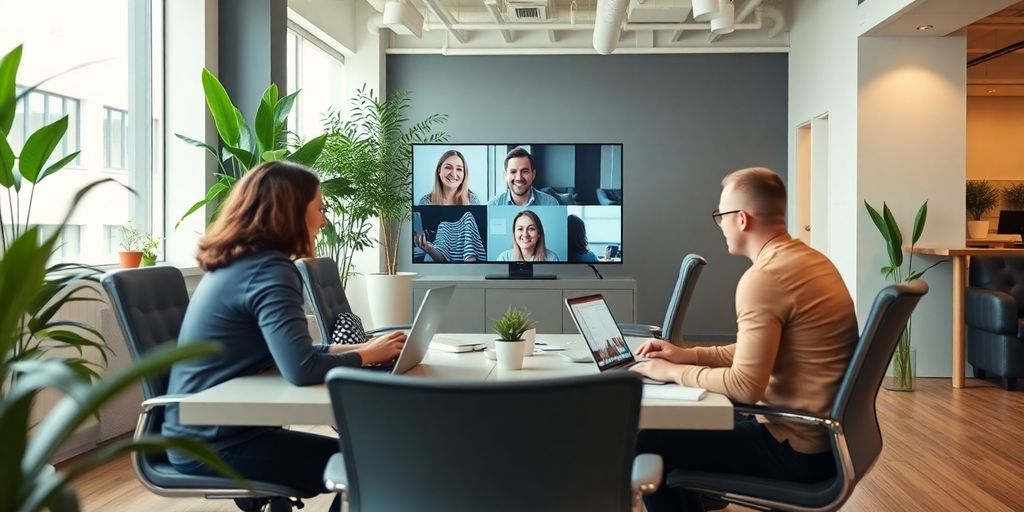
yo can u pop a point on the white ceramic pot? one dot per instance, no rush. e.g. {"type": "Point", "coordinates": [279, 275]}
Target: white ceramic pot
{"type": "Point", "coordinates": [509, 354]}
{"type": "Point", "coordinates": [977, 229]}
{"type": "Point", "coordinates": [529, 337]}
{"type": "Point", "coordinates": [389, 298]}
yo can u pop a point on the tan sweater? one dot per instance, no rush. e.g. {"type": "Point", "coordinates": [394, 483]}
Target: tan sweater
{"type": "Point", "coordinates": [796, 333]}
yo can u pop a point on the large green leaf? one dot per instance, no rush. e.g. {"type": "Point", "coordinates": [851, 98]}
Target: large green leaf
{"type": "Point", "coordinates": [895, 236]}
{"type": "Point", "coordinates": [6, 163]}
{"type": "Point", "coordinates": [22, 270]}
{"type": "Point", "coordinates": [876, 218]}
{"type": "Point", "coordinates": [14, 424]}
{"type": "Point", "coordinates": [309, 152]}
{"type": "Point", "coordinates": [919, 220]}
{"type": "Point", "coordinates": [218, 190]}
{"type": "Point", "coordinates": [270, 156]}
{"type": "Point", "coordinates": [8, 72]}
{"type": "Point", "coordinates": [58, 165]}
{"type": "Point", "coordinates": [283, 108]}
{"type": "Point", "coordinates": [68, 414]}
{"type": "Point", "coordinates": [264, 124]}
{"type": "Point", "coordinates": [221, 107]}
{"type": "Point", "coordinates": [38, 148]}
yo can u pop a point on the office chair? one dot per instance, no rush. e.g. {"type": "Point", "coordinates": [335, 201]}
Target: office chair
{"type": "Point", "coordinates": [410, 443]}
{"type": "Point", "coordinates": [855, 438]}
{"type": "Point", "coordinates": [672, 328]}
{"type": "Point", "coordinates": [327, 296]}
{"type": "Point", "coordinates": [994, 314]}
{"type": "Point", "coordinates": [150, 304]}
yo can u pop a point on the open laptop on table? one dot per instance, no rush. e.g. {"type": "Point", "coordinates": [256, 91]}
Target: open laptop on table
{"type": "Point", "coordinates": [424, 326]}
{"type": "Point", "coordinates": [604, 339]}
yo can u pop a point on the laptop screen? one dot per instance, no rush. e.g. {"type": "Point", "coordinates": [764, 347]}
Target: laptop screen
{"type": "Point", "coordinates": [598, 327]}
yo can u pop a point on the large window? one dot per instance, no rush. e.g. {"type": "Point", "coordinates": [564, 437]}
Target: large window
{"type": "Point", "coordinates": [316, 70]}
{"type": "Point", "coordinates": [115, 138]}
{"type": "Point", "coordinates": [100, 63]}
{"type": "Point", "coordinates": [39, 108]}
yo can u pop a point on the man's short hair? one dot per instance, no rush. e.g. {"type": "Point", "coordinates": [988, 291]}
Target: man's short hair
{"type": "Point", "coordinates": [763, 189]}
{"type": "Point", "coordinates": [519, 152]}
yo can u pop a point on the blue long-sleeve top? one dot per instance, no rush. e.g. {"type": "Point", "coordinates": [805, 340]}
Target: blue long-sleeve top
{"type": "Point", "coordinates": [253, 307]}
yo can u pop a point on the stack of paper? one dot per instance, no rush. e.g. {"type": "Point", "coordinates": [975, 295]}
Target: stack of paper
{"type": "Point", "coordinates": [673, 392]}
{"type": "Point", "coordinates": [450, 345]}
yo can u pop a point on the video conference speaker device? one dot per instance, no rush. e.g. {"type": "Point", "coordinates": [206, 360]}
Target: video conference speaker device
{"type": "Point", "coordinates": [403, 18]}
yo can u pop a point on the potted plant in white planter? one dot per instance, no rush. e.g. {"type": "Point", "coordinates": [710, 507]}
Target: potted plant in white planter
{"type": "Point", "coordinates": [1014, 196]}
{"type": "Point", "coordinates": [510, 347]}
{"type": "Point", "coordinates": [372, 150]}
{"type": "Point", "coordinates": [981, 197]}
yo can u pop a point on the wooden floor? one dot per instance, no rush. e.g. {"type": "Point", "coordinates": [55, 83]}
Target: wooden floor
{"type": "Point", "coordinates": [945, 449]}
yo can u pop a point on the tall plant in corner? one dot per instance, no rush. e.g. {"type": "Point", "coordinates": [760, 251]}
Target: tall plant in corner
{"type": "Point", "coordinates": [372, 149]}
{"type": "Point", "coordinates": [242, 147]}
{"type": "Point", "coordinates": [903, 372]}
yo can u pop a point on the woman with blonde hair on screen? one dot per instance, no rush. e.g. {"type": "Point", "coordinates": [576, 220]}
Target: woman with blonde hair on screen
{"type": "Point", "coordinates": [451, 179]}
{"type": "Point", "coordinates": [527, 240]}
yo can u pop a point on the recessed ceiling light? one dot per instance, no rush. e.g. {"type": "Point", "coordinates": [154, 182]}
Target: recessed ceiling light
{"type": "Point", "coordinates": [925, 27]}
{"type": "Point", "coordinates": [990, 91]}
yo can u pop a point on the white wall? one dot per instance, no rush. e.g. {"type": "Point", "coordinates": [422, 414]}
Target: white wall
{"type": "Point", "coordinates": [995, 129]}
{"type": "Point", "coordinates": [336, 18]}
{"type": "Point", "coordinates": [911, 142]}
{"type": "Point", "coordinates": [823, 80]}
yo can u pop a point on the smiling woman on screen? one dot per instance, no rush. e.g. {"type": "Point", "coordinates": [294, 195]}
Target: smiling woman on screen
{"type": "Point", "coordinates": [527, 240]}
{"type": "Point", "coordinates": [450, 182]}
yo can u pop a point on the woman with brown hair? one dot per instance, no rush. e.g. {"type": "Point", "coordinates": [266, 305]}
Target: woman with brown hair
{"type": "Point", "coordinates": [250, 300]}
{"type": "Point", "coordinates": [527, 240]}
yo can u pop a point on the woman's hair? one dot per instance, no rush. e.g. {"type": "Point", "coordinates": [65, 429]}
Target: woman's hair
{"type": "Point", "coordinates": [577, 237]}
{"type": "Point", "coordinates": [461, 193]}
{"type": "Point", "coordinates": [539, 251]}
{"type": "Point", "coordinates": [266, 210]}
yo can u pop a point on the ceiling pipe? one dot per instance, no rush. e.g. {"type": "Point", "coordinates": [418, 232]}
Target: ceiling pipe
{"type": "Point", "coordinates": [747, 10]}
{"type": "Point", "coordinates": [433, 25]}
{"type": "Point", "coordinates": [608, 24]}
{"type": "Point", "coordinates": [777, 18]}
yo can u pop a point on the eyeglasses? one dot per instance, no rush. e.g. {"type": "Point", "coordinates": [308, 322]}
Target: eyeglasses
{"type": "Point", "coordinates": [717, 215]}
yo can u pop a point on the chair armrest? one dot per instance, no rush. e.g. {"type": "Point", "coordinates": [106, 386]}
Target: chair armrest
{"type": "Point", "coordinates": [335, 476]}
{"type": "Point", "coordinates": [379, 330]}
{"type": "Point", "coordinates": [647, 472]}
{"type": "Point", "coordinates": [797, 416]}
{"type": "Point", "coordinates": [990, 310]}
{"type": "Point", "coordinates": [162, 401]}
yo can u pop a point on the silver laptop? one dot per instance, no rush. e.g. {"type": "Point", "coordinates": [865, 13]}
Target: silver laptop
{"type": "Point", "coordinates": [424, 326]}
{"type": "Point", "coordinates": [597, 325]}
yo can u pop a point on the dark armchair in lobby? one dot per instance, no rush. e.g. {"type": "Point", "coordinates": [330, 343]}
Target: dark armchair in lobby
{"type": "Point", "coordinates": [994, 314]}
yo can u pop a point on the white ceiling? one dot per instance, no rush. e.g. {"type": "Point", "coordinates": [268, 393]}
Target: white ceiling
{"type": "Point", "coordinates": [489, 26]}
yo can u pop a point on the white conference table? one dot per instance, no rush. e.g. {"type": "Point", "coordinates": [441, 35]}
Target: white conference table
{"type": "Point", "coordinates": [268, 400]}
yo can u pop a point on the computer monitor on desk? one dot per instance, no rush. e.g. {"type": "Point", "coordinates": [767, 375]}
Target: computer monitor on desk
{"type": "Point", "coordinates": [1011, 222]}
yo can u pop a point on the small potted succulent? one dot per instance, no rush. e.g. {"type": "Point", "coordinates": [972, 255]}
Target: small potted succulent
{"type": "Point", "coordinates": [138, 247]}
{"type": "Point", "coordinates": [510, 347]}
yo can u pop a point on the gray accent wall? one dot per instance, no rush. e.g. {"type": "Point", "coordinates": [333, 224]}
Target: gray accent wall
{"type": "Point", "coordinates": [685, 121]}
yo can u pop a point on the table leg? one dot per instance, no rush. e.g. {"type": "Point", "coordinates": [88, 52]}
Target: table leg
{"type": "Point", "coordinates": [959, 284]}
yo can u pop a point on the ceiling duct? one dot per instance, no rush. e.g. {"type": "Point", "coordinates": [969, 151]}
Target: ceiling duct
{"type": "Point", "coordinates": [608, 25]}
{"type": "Point", "coordinates": [527, 10]}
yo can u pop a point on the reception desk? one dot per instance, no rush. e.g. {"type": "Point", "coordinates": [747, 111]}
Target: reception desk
{"type": "Point", "coordinates": [959, 257]}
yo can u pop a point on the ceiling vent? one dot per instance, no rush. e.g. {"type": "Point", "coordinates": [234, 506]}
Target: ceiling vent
{"type": "Point", "coordinates": [527, 10]}
{"type": "Point", "coordinates": [658, 11]}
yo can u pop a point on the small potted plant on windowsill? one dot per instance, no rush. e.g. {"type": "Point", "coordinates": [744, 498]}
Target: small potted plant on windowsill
{"type": "Point", "coordinates": [139, 247]}
{"type": "Point", "coordinates": [510, 347]}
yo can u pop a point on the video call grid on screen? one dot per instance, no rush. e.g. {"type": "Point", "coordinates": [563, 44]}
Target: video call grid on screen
{"type": "Point", "coordinates": [576, 198]}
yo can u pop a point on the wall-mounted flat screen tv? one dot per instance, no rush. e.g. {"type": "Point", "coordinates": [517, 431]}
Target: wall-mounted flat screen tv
{"type": "Point", "coordinates": [517, 203]}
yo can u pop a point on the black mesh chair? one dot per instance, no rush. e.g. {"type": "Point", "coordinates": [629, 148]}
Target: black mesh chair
{"type": "Point", "coordinates": [327, 296]}
{"type": "Point", "coordinates": [855, 438]}
{"type": "Point", "coordinates": [672, 328]}
{"type": "Point", "coordinates": [994, 314]}
{"type": "Point", "coordinates": [543, 445]}
{"type": "Point", "coordinates": [150, 304]}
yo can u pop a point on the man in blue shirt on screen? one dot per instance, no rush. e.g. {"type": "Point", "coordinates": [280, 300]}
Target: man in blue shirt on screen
{"type": "Point", "coordinates": [519, 175]}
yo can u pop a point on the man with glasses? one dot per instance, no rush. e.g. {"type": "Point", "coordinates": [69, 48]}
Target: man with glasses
{"type": "Point", "coordinates": [796, 331]}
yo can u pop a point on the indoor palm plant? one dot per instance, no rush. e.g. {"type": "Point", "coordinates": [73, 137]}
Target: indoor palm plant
{"type": "Point", "coordinates": [510, 347]}
{"type": "Point", "coordinates": [372, 149]}
{"type": "Point", "coordinates": [980, 197]}
{"type": "Point", "coordinates": [903, 358]}
{"type": "Point", "coordinates": [242, 147]}
{"type": "Point", "coordinates": [32, 335]}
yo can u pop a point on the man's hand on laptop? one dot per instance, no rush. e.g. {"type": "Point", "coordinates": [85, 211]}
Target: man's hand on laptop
{"type": "Point", "coordinates": [383, 348]}
{"type": "Point", "coordinates": [657, 369]}
{"type": "Point", "coordinates": [661, 349]}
